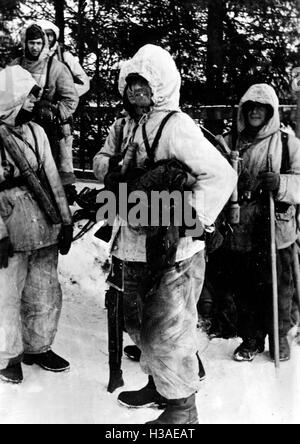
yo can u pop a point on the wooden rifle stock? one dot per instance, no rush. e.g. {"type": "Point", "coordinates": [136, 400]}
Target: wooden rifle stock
{"type": "Point", "coordinates": [33, 181]}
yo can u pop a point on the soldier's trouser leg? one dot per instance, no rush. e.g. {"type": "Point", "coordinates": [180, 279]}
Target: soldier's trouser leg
{"type": "Point", "coordinates": [166, 330]}
{"type": "Point", "coordinates": [250, 295]}
{"type": "Point", "coordinates": [285, 289]}
{"type": "Point", "coordinates": [65, 167]}
{"type": "Point", "coordinates": [12, 282]}
{"type": "Point", "coordinates": [41, 301]}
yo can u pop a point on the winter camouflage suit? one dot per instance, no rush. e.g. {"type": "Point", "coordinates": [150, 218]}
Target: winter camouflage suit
{"type": "Point", "coordinates": [247, 252]}
{"type": "Point", "coordinates": [62, 94]}
{"type": "Point", "coordinates": [30, 297]}
{"type": "Point", "coordinates": [163, 322]}
{"type": "Point", "coordinates": [82, 86]}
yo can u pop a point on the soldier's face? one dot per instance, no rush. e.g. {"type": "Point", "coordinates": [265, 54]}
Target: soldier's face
{"type": "Point", "coordinates": [139, 94]}
{"type": "Point", "coordinates": [51, 37]}
{"type": "Point", "coordinates": [35, 47]}
{"type": "Point", "coordinates": [257, 116]}
{"type": "Point", "coordinates": [29, 103]}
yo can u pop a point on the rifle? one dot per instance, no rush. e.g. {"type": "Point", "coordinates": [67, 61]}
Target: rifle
{"type": "Point", "coordinates": [233, 208]}
{"type": "Point", "coordinates": [34, 183]}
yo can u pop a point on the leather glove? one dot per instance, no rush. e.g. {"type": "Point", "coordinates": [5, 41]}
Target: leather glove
{"type": "Point", "coordinates": [114, 162]}
{"type": "Point", "coordinates": [213, 240]}
{"type": "Point", "coordinates": [269, 181]}
{"type": "Point", "coordinates": [112, 179]}
{"type": "Point", "coordinates": [6, 251]}
{"type": "Point", "coordinates": [65, 239]}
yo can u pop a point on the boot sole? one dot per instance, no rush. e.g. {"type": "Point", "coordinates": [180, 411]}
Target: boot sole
{"type": "Point", "coordinates": [158, 422]}
{"type": "Point", "coordinates": [11, 381]}
{"type": "Point", "coordinates": [241, 359]}
{"type": "Point", "coordinates": [132, 358]}
{"type": "Point", "coordinates": [149, 405]}
{"type": "Point", "coordinates": [281, 359]}
{"type": "Point", "coordinates": [235, 357]}
{"type": "Point", "coordinates": [46, 368]}
{"type": "Point", "coordinates": [67, 369]}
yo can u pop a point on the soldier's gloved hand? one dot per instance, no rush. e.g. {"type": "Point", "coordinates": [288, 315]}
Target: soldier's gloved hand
{"type": "Point", "coordinates": [6, 251]}
{"type": "Point", "coordinates": [114, 162]}
{"type": "Point", "coordinates": [46, 111]}
{"type": "Point", "coordinates": [112, 179]}
{"type": "Point", "coordinates": [65, 239]}
{"type": "Point", "coordinates": [269, 181]}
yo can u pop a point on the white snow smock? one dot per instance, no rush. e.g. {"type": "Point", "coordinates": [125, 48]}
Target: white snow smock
{"type": "Point", "coordinates": [254, 160]}
{"type": "Point", "coordinates": [61, 88]}
{"type": "Point", "coordinates": [30, 296]}
{"type": "Point", "coordinates": [163, 321]}
{"type": "Point", "coordinates": [181, 139]}
{"type": "Point", "coordinates": [68, 59]}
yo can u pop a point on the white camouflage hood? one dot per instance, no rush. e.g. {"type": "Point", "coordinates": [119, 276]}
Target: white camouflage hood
{"type": "Point", "coordinates": [46, 24]}
{"type": "Point", "coordinates": [262, 93]}
{"type": "Point", "coordinates": [157, 66]}
{"type": "Point", "coordinates": [15, 85]}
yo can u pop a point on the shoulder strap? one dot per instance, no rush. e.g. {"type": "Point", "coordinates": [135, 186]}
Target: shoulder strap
{"type": "Point", "coordinates": [2, 152]}
{"type": "Point", "coordinates": [34, 150]}
{"type": "Point", "coordinates": [151, 150]}
{"type": "Point", "coordinates": [120, 135]}
{"type": "Point", "coordinates": [37, 153]}
{"type": "Point", "coordinates": [49, 66]}
{"type": "Point", "coordinates": [285, 161]}
{"type": "Point", "coordinates": [60, 53]}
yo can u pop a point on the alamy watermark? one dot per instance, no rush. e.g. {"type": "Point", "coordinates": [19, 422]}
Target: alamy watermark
{"type": "Point", "coordinates": [153, 209]}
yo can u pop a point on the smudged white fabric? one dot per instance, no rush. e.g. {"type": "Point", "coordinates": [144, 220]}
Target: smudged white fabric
{"type": "Point", "coordinates": [30, 296]}
{"type": "Point", "coordinates": [181, 139]}
{"type": "Point", "coordinates": [267, 149]}
{"type": "Point", "coordinates": [61, 89]}
{"type": "Point", "coordinates": [30, 304]}
{"type": "Point", "coordinates": [15, 85]}
{"type": "Point", "coordinates": [67, 58]}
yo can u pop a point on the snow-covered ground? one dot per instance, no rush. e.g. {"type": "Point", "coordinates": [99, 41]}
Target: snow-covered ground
{"type": "Point", "coordinates": [232, 393]}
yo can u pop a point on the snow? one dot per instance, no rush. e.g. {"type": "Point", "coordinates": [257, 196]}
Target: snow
{"type": "Point", "coordinates": [232, 393]}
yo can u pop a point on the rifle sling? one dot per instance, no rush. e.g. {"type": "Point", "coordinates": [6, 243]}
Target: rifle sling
{"type": "Point", "coordinates": [151, 150]}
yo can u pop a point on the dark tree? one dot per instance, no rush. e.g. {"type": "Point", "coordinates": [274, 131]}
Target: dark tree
{"type": "Point", "coordinates": [59, 6]}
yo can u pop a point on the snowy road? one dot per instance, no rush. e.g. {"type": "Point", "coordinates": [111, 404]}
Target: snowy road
{"type": "Point", "coordinates": [232, 393]}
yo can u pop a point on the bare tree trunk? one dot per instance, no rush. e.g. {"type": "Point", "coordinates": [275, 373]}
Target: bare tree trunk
{"type": "Point", "coordinates": [81, 12]}
{"type": "Point", "coordinates": [298, 94]}
{"type": "Point", "coordinates": [59, 6]}
{"type": "Point", "coordinates": [82, 102]}
{"type": "Point", "coordinates": [215, 61]}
